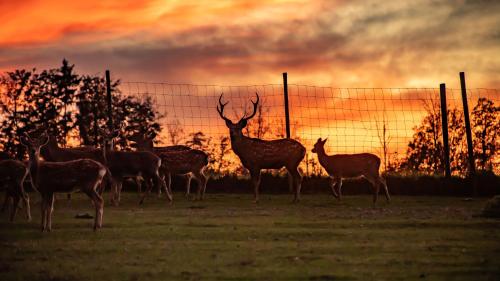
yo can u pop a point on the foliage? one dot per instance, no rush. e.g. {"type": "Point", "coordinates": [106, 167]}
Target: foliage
{"type": "Point", "coordinates": [63, 102]}
{"type": "Point", "coordinates": [485, 118]}
{"type": "Point", "coordinates": [425, 150]}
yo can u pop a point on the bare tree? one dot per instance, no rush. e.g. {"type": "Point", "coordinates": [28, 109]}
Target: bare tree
{"type": "Point", "coordinates": [175, 132]}
{"type": "Point", "coordinates": [384, 139]}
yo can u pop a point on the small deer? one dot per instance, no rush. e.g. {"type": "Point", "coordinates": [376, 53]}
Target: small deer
{"type": "Point", "coordinates": [63, 177]}
{"type": "Point", "coordinates": [178, 160]}
{"type": "Point", "coordinates": [124, 164]}
{"type": "Point", "coordinates": [256, 154]}
{"type": "Point", "coordinates": [341, 166]}
{"type": "Point", "coordinates": [13, 174]}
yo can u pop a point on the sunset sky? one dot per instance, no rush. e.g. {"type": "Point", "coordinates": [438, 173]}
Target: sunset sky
{"type": "Point", "coordinates": [325, 42]}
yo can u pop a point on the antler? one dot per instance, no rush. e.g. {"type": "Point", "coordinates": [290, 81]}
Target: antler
{"type": "Point", "coordinates": [255, 104]}
{"type": "Point", "coordinates": [221, 109]}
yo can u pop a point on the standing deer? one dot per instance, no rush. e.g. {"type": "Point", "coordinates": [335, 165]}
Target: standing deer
{"type": "Point", "coordinates": [13, 174]}
{"type": "Point", "coordinates": [52, 152]}
{"type": "Point", "coordinates": [178, 160]}
{"type": "Point", "coordinates": [256, 154]}
{"type": "Point", "coordinates": [124, 164]}
{"type": "Point", "coordinates": [63, 177]}
{"type": "Point", "coordinates": [349, 166]}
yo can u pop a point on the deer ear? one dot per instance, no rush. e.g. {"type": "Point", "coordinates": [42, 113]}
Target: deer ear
{"type": "Point", "coordinates": [324, 141]}
{"type": "Point", "coordinates": [319, 140]}
{"type": "Point", "coordinates": [150, 136]}
{"type": "Point", "coordinates": [44, 139]}
{"type": "Point", "coordinates": [24, 141]}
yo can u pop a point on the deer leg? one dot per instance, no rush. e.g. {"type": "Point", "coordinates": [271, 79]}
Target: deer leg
{"type": "Point", "coordinates": [138, 182]}
{"type": "Point", "coordinates": [16, 198]}
{"type": "Point", "coordinates": [6, 201]}
{"type": "Point", "coordinates": [99, 207]}
{"type": "Point", "coordinates": [376, 187]}
{"type": "Point", "coordinates": [255, 175]}
{"type": "Point", "coordinates": [297, 182]}
{"type": "Point", "coordinates": [50, 209]}
{"type": "Point", "coordinates": [43, 206]}
{"type": "Point", "coordinates": [117, 186]}
{"type": "Point", "coordinates": [119, 191]}
{"type": "Point", "coordinates": [333, 183]}
{"type": "Point", "coordinates": [188, 184]}
{"type": "Point", "coordinates": [168, 190]}
{"type": "Point", "coordinates": [26, 200]}
{"type": "Point", "coordinates": [202, 182]}
{"type": "Point", "coordinates": [144, 194]}
{"type": "Point", "coordinates": [203, 185]}
{"type": "Point", "coordinates": [339, 187]}
{"type": "Point", "coordinates": [168, 184]}
{"type": "Point", "coordinates": [384, 184]}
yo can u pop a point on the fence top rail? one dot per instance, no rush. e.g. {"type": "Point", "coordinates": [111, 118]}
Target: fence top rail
{"type": "Point", "coordinates": [303, 85]}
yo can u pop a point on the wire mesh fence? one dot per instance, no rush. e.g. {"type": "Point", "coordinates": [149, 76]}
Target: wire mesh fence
{"type": "Point", "coordinates": [379, 121]}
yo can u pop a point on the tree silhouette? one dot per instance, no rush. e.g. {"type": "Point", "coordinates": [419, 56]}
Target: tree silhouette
{"type": "Point", "coordinates": [425, 150]}
{"type": "Point", "coordinates": [485, 119]}
{"type": "Point", "coordinates": [62, 102]}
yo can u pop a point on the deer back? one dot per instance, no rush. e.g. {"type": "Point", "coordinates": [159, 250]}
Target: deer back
{"type": "Point", "coordinates": [132, 163]}
{"type": "Point", "coordinates": [351, 165]}
{"type": "Point", "coordinates": [184, 161]}
{"type": "Point", "coordinates": [274, 154]}
{"type": "Point", "coordinates": [68, 176]}
{"type": "Point", "coordinates": [12, 171]}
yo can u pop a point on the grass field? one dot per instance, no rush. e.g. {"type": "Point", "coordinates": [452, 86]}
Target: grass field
{"type": "Point", "coordinates": [227, 237]}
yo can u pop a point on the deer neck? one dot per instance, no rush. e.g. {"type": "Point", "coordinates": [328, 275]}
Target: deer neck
{"type": "Point", "coordinates": [238, 141]}
{"type": "Point", "coordinates": [322, 157]}
{"type": "Point", "coordinates": [146, 145]}
{"type": "Point", "coordinates": [34, 165]}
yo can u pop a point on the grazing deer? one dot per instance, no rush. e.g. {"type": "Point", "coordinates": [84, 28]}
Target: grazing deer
{"type": "Point", "coordinates": [63, 177]}
{"type": "Point", "coordinates": [349, 166]}
{"type": "Point", "coordinates": [13, 174]}
{"type": "Point", "coordinates": [256, 154]}
{"type": "Point", "coordinates": [178, 160]}
{"type": "Point", "coordinates": [124, 164]}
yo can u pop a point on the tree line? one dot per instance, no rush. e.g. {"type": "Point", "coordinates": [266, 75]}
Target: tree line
{"type": "Point", "coordinates": [67, 105]}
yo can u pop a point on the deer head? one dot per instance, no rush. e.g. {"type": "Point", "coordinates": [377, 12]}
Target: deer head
{"type": "Point", "coordinates": [34, 144]}
{"type": "Point", "coordinates": [319, 145]}
{"type": "Point", "coordinates": [235, 130]}
{"type": "Point", "coordinates": [143, 140]}
{"type": "Point", "coordinates": [109, 137]}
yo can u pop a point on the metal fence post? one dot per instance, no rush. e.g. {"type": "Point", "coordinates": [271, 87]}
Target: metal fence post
{"type": "Point", "coordinates": [444, 119]}
{"type": "Point", "coordinates": [287, 113]}
{"type": "Point", "coordinates": [109, 100]}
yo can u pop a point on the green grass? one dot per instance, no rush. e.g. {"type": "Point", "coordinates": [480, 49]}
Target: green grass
{"type": "Point", "coordinates": [227, 237]}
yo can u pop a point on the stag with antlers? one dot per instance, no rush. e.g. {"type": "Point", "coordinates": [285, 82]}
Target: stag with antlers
{"type": "Point", "coordinates": [349, 166]}
{"type": "Point", "coordinates": [124, 164]}
{"type": "Point", "coordinates": [256, 154]}
{"type": "Point", "coordinates": [177, 160]}
{"type": "Point", "coordinates": [63, 177]}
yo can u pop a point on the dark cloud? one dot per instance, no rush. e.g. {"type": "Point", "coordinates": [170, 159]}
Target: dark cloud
{"type": "Point", "coordinates": [390, 42]}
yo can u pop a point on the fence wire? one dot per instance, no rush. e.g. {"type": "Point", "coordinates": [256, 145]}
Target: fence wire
{"type": "Point", "coordinates": [380, 121]}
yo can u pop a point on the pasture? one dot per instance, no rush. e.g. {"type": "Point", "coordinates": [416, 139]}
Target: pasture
{"type": "Point", "coordinates": [227, 237]}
